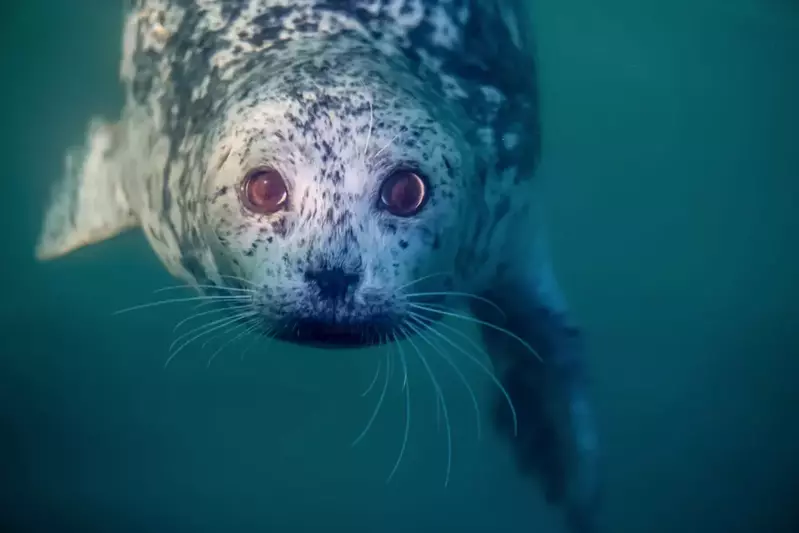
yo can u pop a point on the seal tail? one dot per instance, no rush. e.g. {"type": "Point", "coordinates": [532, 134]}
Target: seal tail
{"type": "Point", "coordinates": [88, 203]}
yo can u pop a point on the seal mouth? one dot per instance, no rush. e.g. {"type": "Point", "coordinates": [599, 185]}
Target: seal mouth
{"type": "Point", "coordinates": [333, 335]}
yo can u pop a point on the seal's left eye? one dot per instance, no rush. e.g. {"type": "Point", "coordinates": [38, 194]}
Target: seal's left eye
{"type": "Point", "coordinates": [264, 191]}
{"type": "Point", "coordinates": [403, 193]}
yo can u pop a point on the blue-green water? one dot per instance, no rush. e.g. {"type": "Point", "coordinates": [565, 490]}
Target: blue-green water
{"type": "Point", "coordinates": [672, 149]}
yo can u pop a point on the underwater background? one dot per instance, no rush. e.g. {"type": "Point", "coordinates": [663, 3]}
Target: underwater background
{"type": "Point", "coordinates": [671, 153]}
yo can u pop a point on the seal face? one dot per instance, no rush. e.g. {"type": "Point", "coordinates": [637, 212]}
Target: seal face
{"type": "Point", "coordinates": [370, 176]}
{"type": "Point", "coordinates": [339, 172]}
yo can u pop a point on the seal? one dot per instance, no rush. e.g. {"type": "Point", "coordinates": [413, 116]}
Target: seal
{"type": "Point", "coordinates": [347, 171]}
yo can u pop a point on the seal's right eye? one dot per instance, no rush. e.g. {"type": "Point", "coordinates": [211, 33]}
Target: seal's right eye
{"type": "Point", "coordinates": [264, 191]}
{"type": "Point", "coordinates": [403, 193]}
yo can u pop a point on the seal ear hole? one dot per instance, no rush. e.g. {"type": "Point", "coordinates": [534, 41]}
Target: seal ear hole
{"type": "Point", "coordinates": [263, 191]}
{"type": "Point", "coordinates": [404, 193]}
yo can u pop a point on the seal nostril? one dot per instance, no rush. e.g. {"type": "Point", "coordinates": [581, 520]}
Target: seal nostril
{"type": "Point", "coordinates": [333, 283]}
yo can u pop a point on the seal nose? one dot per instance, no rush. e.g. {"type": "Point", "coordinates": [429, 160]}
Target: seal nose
{"type": "Point", "coordinates": [333, 283]}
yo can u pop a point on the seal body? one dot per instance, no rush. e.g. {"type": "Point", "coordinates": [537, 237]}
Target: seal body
{"type": "Point", "coordinates": [345, 111]}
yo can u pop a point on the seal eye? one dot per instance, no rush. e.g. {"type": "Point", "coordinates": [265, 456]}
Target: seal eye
{"type": "Point", "coordinates": [264, 191]}
{"type": "Point", "coordinates": [403, 193]}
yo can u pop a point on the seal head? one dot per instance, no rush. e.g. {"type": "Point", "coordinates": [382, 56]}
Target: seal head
{"type": "Point", "coordinates": [331, 186]}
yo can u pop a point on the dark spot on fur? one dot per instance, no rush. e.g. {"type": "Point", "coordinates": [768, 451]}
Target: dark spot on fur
{"type": "Point", "coordinates": [221, 191]}
{"type": "Point", "coordinates": [448, 165]}
{"type": "Point", "coordinates": [391, 227]}
{"type": "Point", "coordinates": [280, 227]}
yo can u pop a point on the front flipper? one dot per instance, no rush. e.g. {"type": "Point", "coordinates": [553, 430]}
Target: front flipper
{"type": "Point", "coordinates": [88, 204]}
{"type": "Point", "coordinates": [556, 436]}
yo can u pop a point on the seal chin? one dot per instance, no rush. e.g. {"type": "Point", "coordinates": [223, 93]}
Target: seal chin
{"type": "Point", "coordinates": [327, 334]}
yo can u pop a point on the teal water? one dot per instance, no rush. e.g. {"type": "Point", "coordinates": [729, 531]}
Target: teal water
{"type": "Point", "coordinates": [672, 152]}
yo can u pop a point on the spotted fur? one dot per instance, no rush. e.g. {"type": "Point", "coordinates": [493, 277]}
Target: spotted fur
{"type": "Point", "coordinates": [335, 95]}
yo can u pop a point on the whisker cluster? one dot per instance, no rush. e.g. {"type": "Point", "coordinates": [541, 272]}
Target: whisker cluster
{"type": "Point", "coordinates": [241, 318]}
{"type": "Point", "coordinates": [234, 316]}
{"type": "Point", "coordinates": [422, 329]}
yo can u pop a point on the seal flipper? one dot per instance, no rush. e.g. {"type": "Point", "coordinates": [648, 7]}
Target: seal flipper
{"type": "Point", "coordinates": [556, 434]}
{"type": "Point", "coordinates": [88, 204]}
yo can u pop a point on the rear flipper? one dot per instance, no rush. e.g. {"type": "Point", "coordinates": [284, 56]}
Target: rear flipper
{"type": "Point", "coordinates": [556, 435]}
{"type": "Point", "coordinates": [88, 204]}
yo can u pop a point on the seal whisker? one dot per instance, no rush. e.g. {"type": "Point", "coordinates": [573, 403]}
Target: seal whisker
{"type": "Point", "coordinates": [440, 400]}
{"type": "Point", "coordinates": [403, 129]}
{"type": "Point", "coordinates": [423, 278]}
{"type": "Point", "coordinates": [438, 414]}
{"type": "Point", "coordinates": [211, 287]}
{"type": "Point", "coordinates": [200, 334]}
{"type": "Point", "coordinates": [237, 278]}
{"type": "Point", "coordinates": [483, 323]}
{"type": "Point", "coordinates": [206, 304]}
{"type": "Point", "coordinates": [420, 331]}
{"type": "Point", "coordinates": [407, 391]}
{"type": "Point", "coordinates": [389, 143]}
{"type": "Point", "coordinates": [409, 296]}
{"type": "Point", "coordinates": [224, 332]}
{"type": "Point", "coordinates": [267, 336]}
{"type": "Point", "coordinates": [247, 348]}
{"type": "Point", "coordinates": [491, 375]}
{"type": "Point", "coordinates": [224, 320]}
{"type": "Point", "coordinates": [374, 380]}
{"type": "Point", "coordinates": [390, 364]}
{"type": "Point", "coordinates": [376, 409]}
{"type": "Point", "coordinates": [212, 311]}
{"type": "Point", "coordinates": [202, 298]}
{"type": "Point", "coordinates": [246, 323]}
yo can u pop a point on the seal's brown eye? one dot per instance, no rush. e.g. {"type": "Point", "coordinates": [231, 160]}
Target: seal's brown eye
{"type": "Point", "coordinates": [403, 193]}
{"type": "Point", "coordinates": [263, 191]}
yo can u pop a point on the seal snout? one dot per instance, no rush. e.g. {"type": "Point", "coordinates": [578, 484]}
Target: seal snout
{"type": "Point", "coordinates": [333, 283]}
